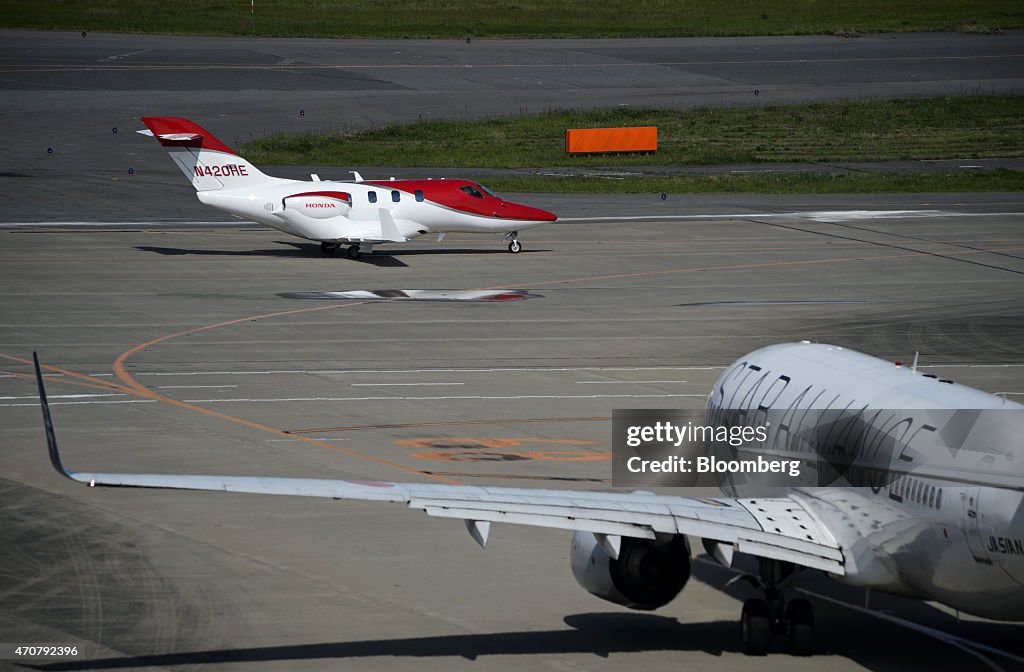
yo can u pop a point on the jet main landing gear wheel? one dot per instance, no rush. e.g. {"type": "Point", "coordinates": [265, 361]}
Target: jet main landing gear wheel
{"type": "Point", "coordinates": [800, 621]}
{"type": "Point", "coordinates": [762, 618]}
{"type": "Point", "coordinates": [328, 249]}
{"type": "Point", "coordinates": [354, 252]}
{"type": "Point", "coordinates": [756, 627]}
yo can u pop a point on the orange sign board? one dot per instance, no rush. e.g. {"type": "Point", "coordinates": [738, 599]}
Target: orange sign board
{"type": "Point", "coordinates": [596, 140]}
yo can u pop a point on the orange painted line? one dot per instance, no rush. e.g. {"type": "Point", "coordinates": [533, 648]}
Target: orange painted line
{"type": "Point", "coordinates": [601, 140]}
{"type": "Point", "coordinates": [356, 428]}
{"type": "Point", "coordinates": [524, 477]}
{"type": "Point", "coordinates": [59, 381]}
{"type": "Point", "coordinates": [538, 455]}
{"type": "Point", "coordinates": [123, 375]}
{"type": "Point", "coordinates": [473, 443]}
{"type": "Point", "coordinates": [95, 382]}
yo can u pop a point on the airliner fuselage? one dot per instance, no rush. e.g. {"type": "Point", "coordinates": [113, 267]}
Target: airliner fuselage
{"type": "Point", "coordinates": [898, 467]}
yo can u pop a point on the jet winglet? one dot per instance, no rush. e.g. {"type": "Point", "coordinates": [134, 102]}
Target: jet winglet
{"type": "Point", "coordinates": [51, 437]}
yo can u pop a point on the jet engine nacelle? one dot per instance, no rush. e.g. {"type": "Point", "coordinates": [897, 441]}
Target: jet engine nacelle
{"type": "Point", "coordinates": [647, 574]}
{"type": "Point", "coordinates": [319, 204]}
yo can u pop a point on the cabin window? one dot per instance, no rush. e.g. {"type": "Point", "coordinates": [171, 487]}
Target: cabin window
{"type": "Point", "coordinates": [396, 196]}
{"type": "Point", "coordinates": [472, 191]}
{"type": "Point", "coordinates": [419, 195]}
{"type": "Point", "coordinates": [938, 498]}
{"type": "Point", "coordinates": [931, 496]}
{"type": "Point", "coordinates": [372, 196]}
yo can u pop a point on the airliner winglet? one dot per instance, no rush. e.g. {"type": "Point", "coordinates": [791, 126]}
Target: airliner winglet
{"type": "Point", "coordinates": [51, 436]}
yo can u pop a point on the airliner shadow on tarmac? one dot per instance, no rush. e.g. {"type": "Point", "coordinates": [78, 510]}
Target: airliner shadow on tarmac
{"type": "Point", "coordinates": [600, 634]}
{"type": "Point", "coordinates": [878, 646]}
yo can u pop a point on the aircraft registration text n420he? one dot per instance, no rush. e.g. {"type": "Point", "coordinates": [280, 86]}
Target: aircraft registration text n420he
{"type": "Point", "coordinates": [377, 211]}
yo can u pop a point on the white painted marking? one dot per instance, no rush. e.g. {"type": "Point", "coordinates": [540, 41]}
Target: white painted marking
{"type": "Point", "coordinates": [430, 371]}
{"type": "Point", "coordinates": [627, 382]}
{"type": "Point", "coordinates": [300, 441]}
{"type": "Point", "coordinates": [968, 366]}
{"type": "Point", "coordinates": [75, 403]}
{"type": "Point", "coordinates": [68, 396]}
{"type": "Point", "coordinates": [400, 384]}
{"type": "Point", "coordinates": [500, 398]}
{"type": "Point", "coordinates": [190, 387]}
{"type": "Point", "coordinates": [153, 223]}
{"type": "Point", "coordinates": [120, 56]}
{"type": "Point", "coordinates": [832, 215]}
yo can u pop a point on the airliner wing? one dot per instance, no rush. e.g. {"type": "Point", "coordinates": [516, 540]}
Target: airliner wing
{"type": "Point", "coordinates": [777, 528]}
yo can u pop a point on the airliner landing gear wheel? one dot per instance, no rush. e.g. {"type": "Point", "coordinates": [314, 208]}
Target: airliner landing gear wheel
{"type": "Point", "coordinates": [756, 627]}
{"type": "Point", "coordinates": [328, 249]}
{"type": "Point", "coordinates": [353, 252]}
{"type": "Point", "coordinates": [515, 246]}
{"type": "Point", "coordinates": [800, 618]}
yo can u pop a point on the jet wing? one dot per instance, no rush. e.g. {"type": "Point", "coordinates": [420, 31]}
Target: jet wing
{"type": "Point", "coordinates": [778, 528]}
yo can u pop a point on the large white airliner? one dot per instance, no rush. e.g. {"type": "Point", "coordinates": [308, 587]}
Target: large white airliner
{"type": "Point", "coordinates": [360, 213]}
{"type": "Point", "coordinates": [945, 524]}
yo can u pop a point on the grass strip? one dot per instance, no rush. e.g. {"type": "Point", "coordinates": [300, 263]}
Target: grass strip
{"type": "Point", "coordinates": [1000, 179]}
{"type": "Point", "coordinates": [971, 126]}
{"type": "Point", "coordinates": [511, 18]}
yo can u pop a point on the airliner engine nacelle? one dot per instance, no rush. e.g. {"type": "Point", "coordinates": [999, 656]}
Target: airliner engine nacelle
{"type": "Point", "coordinates": [648, 574]}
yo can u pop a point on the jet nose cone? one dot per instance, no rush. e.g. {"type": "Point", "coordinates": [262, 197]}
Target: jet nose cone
{"type": "Point", "coordinates": [526, 213]}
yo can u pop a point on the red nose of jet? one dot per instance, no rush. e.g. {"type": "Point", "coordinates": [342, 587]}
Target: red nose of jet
{"type": "Point", "coordinates": [525, 213]}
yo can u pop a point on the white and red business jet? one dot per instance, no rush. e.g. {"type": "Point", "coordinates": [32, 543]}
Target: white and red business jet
{"type": "Point", "coordinates": [359, 214]}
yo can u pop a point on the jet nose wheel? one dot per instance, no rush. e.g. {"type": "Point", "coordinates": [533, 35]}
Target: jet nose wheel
{"type": "Point", "coordinates": [354, 252]}
{"type": "Point", "coordinates": [328, 249]}
{"type": "Point", "coordinates": [515, 247]}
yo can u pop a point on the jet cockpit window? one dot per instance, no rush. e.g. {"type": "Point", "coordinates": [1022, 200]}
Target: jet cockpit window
{"type": "Point", "coordinates": [472, 191]}
{"type": "Point", "coordinates": [488, 191]}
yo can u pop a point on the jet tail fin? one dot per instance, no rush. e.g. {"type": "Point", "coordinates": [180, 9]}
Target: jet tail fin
{"type": "Point", "coordinates": [51, 436]}
{"type": "Point", "coordinates": [207, 162]}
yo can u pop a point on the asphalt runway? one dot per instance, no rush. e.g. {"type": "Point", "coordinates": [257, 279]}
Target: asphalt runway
{"type": "Point", "coordinates": [66, 93]}
{"type": "Point", "coordinates": [178, 352]}
{"type": "Point", "coordinates": [218, 373]}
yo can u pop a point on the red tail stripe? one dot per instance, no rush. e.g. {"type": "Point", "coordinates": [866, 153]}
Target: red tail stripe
{"type": "Point", "coordinates": [168, 125]}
